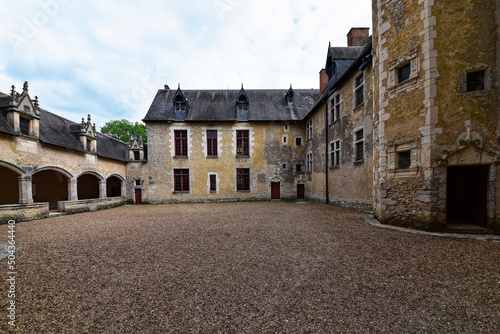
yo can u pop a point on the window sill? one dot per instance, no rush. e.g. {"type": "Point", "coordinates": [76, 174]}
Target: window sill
{"type": "Point", "coordinates": [359, 162]}
{"type": "Point", "coordinates": [212, 157]}
{"type": "Point", "coordinates": [29, 137]}
{"type": "Point", "coordinates": [359, 106]}
{"type": "Point", "coordinates": [243, 156]}
{"type": "Point", "coordinates": [180, 157]}
{"type": "Point", "coordinates": [243, 191]}
{"type": "Point", "coordinates": [402, 85]}
{"type": "Point", "coordinates": [477, 93]}
{"type": "Point", "coordinates": [335, 167]}
{"type": "Point", "coordinates": [409, 172]}
{"type": "Point", "coordinates": [180, 192]}
{"type": "Point", "coordinates": [212, 192]}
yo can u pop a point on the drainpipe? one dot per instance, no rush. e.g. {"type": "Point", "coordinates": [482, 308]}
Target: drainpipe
{"type": "Point", "coordinates": [327, 201]}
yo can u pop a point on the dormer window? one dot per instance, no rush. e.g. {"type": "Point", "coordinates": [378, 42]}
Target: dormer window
{"type": "Point", "coordinates": [289, 97]}
{"type": "Point", "coordinates": [24, 126]}
{"type": "Point", "coordinates": [180, 104]}
{"type": "Point", "coordinates": [89, 145]}
{"type": "Point", "coordinates": [242, 103]}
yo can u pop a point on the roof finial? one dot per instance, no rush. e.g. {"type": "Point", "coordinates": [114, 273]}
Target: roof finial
{"type": "Point", "coordinates": [242, 85]}
{"type": "Point", "coordinates": [25, 87]}
{"type": "Point", "coordinates": [179, 85]}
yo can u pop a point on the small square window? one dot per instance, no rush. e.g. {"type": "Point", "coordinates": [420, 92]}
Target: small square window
{"type": "Point", "coordinates": [298, 141]}
{"type": "Point", "coordinates": [284, 139]}
{"type": "Point", "coordinates": [475, 81]}
{"type": "Point", "coordinates": [298, 168]}
{"type": "Point", "coordinates": [404, 73]}
{"type": "Point", "coordinates": [404, 160]}
{"type": "Point", "coordinates": [137, 182]}
{"type": "Point", "coordinates": [284, 165]}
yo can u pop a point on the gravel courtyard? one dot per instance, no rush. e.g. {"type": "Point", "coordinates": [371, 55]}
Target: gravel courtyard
{"type": "Point", "coordinates": [269, 267]}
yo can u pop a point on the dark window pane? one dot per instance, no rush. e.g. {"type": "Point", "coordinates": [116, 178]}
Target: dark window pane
{"type": "Point", "coordinates": [475, 81]}
{"type": "Point", "coordinates": [404, 160]}
{"type": "Point", "coordinates": [24, 125]}
{"type": "Point", "coordinates": [404, 73]}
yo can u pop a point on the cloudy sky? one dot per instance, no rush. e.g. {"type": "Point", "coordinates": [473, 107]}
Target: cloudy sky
{"type": "Point", "coordinates": [108, 58]}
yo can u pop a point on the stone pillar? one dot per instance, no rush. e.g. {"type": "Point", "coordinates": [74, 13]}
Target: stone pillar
{"type": "Point", "coordinates": [25, 190]}
{"type": "Point", "coordinates": [124, 189]}
{"type": "Point", "coordinates": [102, 189]}
{"type": "Point", "coordinates": [72, 190]}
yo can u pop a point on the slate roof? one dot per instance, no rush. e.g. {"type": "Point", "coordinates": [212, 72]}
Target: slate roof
{"type": "Point", "coordinates": [59, 131]}
{"type": "Point", "coordinates": [220, 105]}
{"type": "Point", "coordinates": [343, 57]}
{"type": "Point", "coordinates": [364, 56]}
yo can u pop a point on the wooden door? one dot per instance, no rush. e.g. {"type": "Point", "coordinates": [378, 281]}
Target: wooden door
{"type": "Point", "coordinates": [300, 191]}
{"type": "Point", "coordinates": [275, 190]}
{"type": "Point", "coordinates": [138, 196]}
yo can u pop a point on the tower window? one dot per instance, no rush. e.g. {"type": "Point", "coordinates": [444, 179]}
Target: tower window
{"type": "Point", "coordinates": [475, 81]}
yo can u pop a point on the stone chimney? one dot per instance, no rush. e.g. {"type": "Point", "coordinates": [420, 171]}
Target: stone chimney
{"type": "Point", "coordinates": [323, 81]}
{"type": "Point", "coordinates": [357, 36]}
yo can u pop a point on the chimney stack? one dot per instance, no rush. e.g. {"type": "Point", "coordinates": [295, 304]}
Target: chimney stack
{"type": "Point", "coordinates": [323, 81]}
{"type": "Point", "coordinates": [357, 36]}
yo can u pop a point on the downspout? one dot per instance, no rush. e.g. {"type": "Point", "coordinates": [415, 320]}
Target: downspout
{"type": "Point", "coordinates": [327, 201]}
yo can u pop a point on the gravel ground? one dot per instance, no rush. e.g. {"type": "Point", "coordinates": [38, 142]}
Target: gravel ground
{"type": "Point", "coordinates": [269, 267]}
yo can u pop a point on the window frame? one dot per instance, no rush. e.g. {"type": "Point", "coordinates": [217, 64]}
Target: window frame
{"type": "Point", "coordinates": [309, 130]}
{"type": "Point", "coordinates": [359, 145]}
{"type": "Point", "coordinates": [212, 180]}
{"type": "Point", "coordinates": [359, 90]}
{"type": "Point", "coordinates": [242, 179]}
{"type": "Point", "coordinates": [335, 153]}
{"type": "Point", "coordinates": [335, 108]}
{"type": "Point", "coordinates": [242, 143]}
{"type": "Point", "coordinates": [25, 124]}
{"type": "Point", "coordinates": [212, 143]}
{"type": "Point", "coordinates": [309, 162]}
{"type": "Point", "coordinates": [181, 178]}
{"type": "Point", "coordinates": [181, 143]}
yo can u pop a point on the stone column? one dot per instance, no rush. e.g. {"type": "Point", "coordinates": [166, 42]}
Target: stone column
{"type": "Point", "coordinates": [102, 189]}
{"type": "Point", "coordinates": [72, 190]}
{"type": "Point", "coordinates": [25, 190]}
{"type": "Point", "coordinates": [124, 188]}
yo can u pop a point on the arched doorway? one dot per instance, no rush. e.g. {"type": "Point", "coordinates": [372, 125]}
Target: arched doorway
{"type": "Point", "coordinates": [50, 186]}
{"type": "Point", "coordinates": [113, 186]}
{"type": "Point", "coordinates": [9, 186]}
{"type": "Point", "coordinates": [88, 186]}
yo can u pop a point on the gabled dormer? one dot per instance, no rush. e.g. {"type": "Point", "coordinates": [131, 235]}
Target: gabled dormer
{"type": "Point", "coordinates": [136, 149]}
{"type": "Point", "coordinates": [242, 106]}
{"type": "Point", "coordinates": [23, 113]}
{"type": "Point", "coordinates": [87, 135]}
{"type": "Point", "coordinates": [330, 66]}
{"type": "Point", "coordinates": [180, 105]}
{"type": "Point", "coordinates": [289, 97]}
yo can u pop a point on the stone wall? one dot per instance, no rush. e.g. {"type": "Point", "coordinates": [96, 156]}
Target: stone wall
{"type": "Point", "coordinates": [23, 212]}
{"type": "Point", "coordinates": [90, 204]}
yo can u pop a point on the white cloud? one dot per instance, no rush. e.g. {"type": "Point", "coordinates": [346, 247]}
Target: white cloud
{"type": "Point", "coordinates": [109, 58]}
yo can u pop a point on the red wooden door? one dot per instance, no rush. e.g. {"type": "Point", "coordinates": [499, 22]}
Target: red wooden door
{"type": "Point", "coordinates": [275, 190]}
{"type": "Point", "coordinates": [138, 196]}
{"type": "Point", "coordinates": [300, 191]}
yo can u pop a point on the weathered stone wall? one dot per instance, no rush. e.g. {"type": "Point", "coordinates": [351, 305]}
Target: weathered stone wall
{"type": "Point", "coordinates": [351, 182]}
{"type": "Point", "coordinates": [23, 212]}
{"type": "Point", "coordinates": [430, 114]}
{"type": "Point", "coordinates": [90, 204]}
{"type": "Point", "coordinates": [316, 180]}
{"type": "Point", "coordinates": [269, 150]}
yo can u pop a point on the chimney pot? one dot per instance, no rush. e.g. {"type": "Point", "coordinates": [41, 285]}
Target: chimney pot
{"type": "Point", "coordinates": [323, 81]}
{"type": "Point", "coordinates": [357, 36]}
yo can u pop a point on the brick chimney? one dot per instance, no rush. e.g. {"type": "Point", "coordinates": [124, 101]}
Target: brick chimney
{"type": "Point", "coordinates": [323, 81]}
{"type": "Point", "coordinates": [357, 36]}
